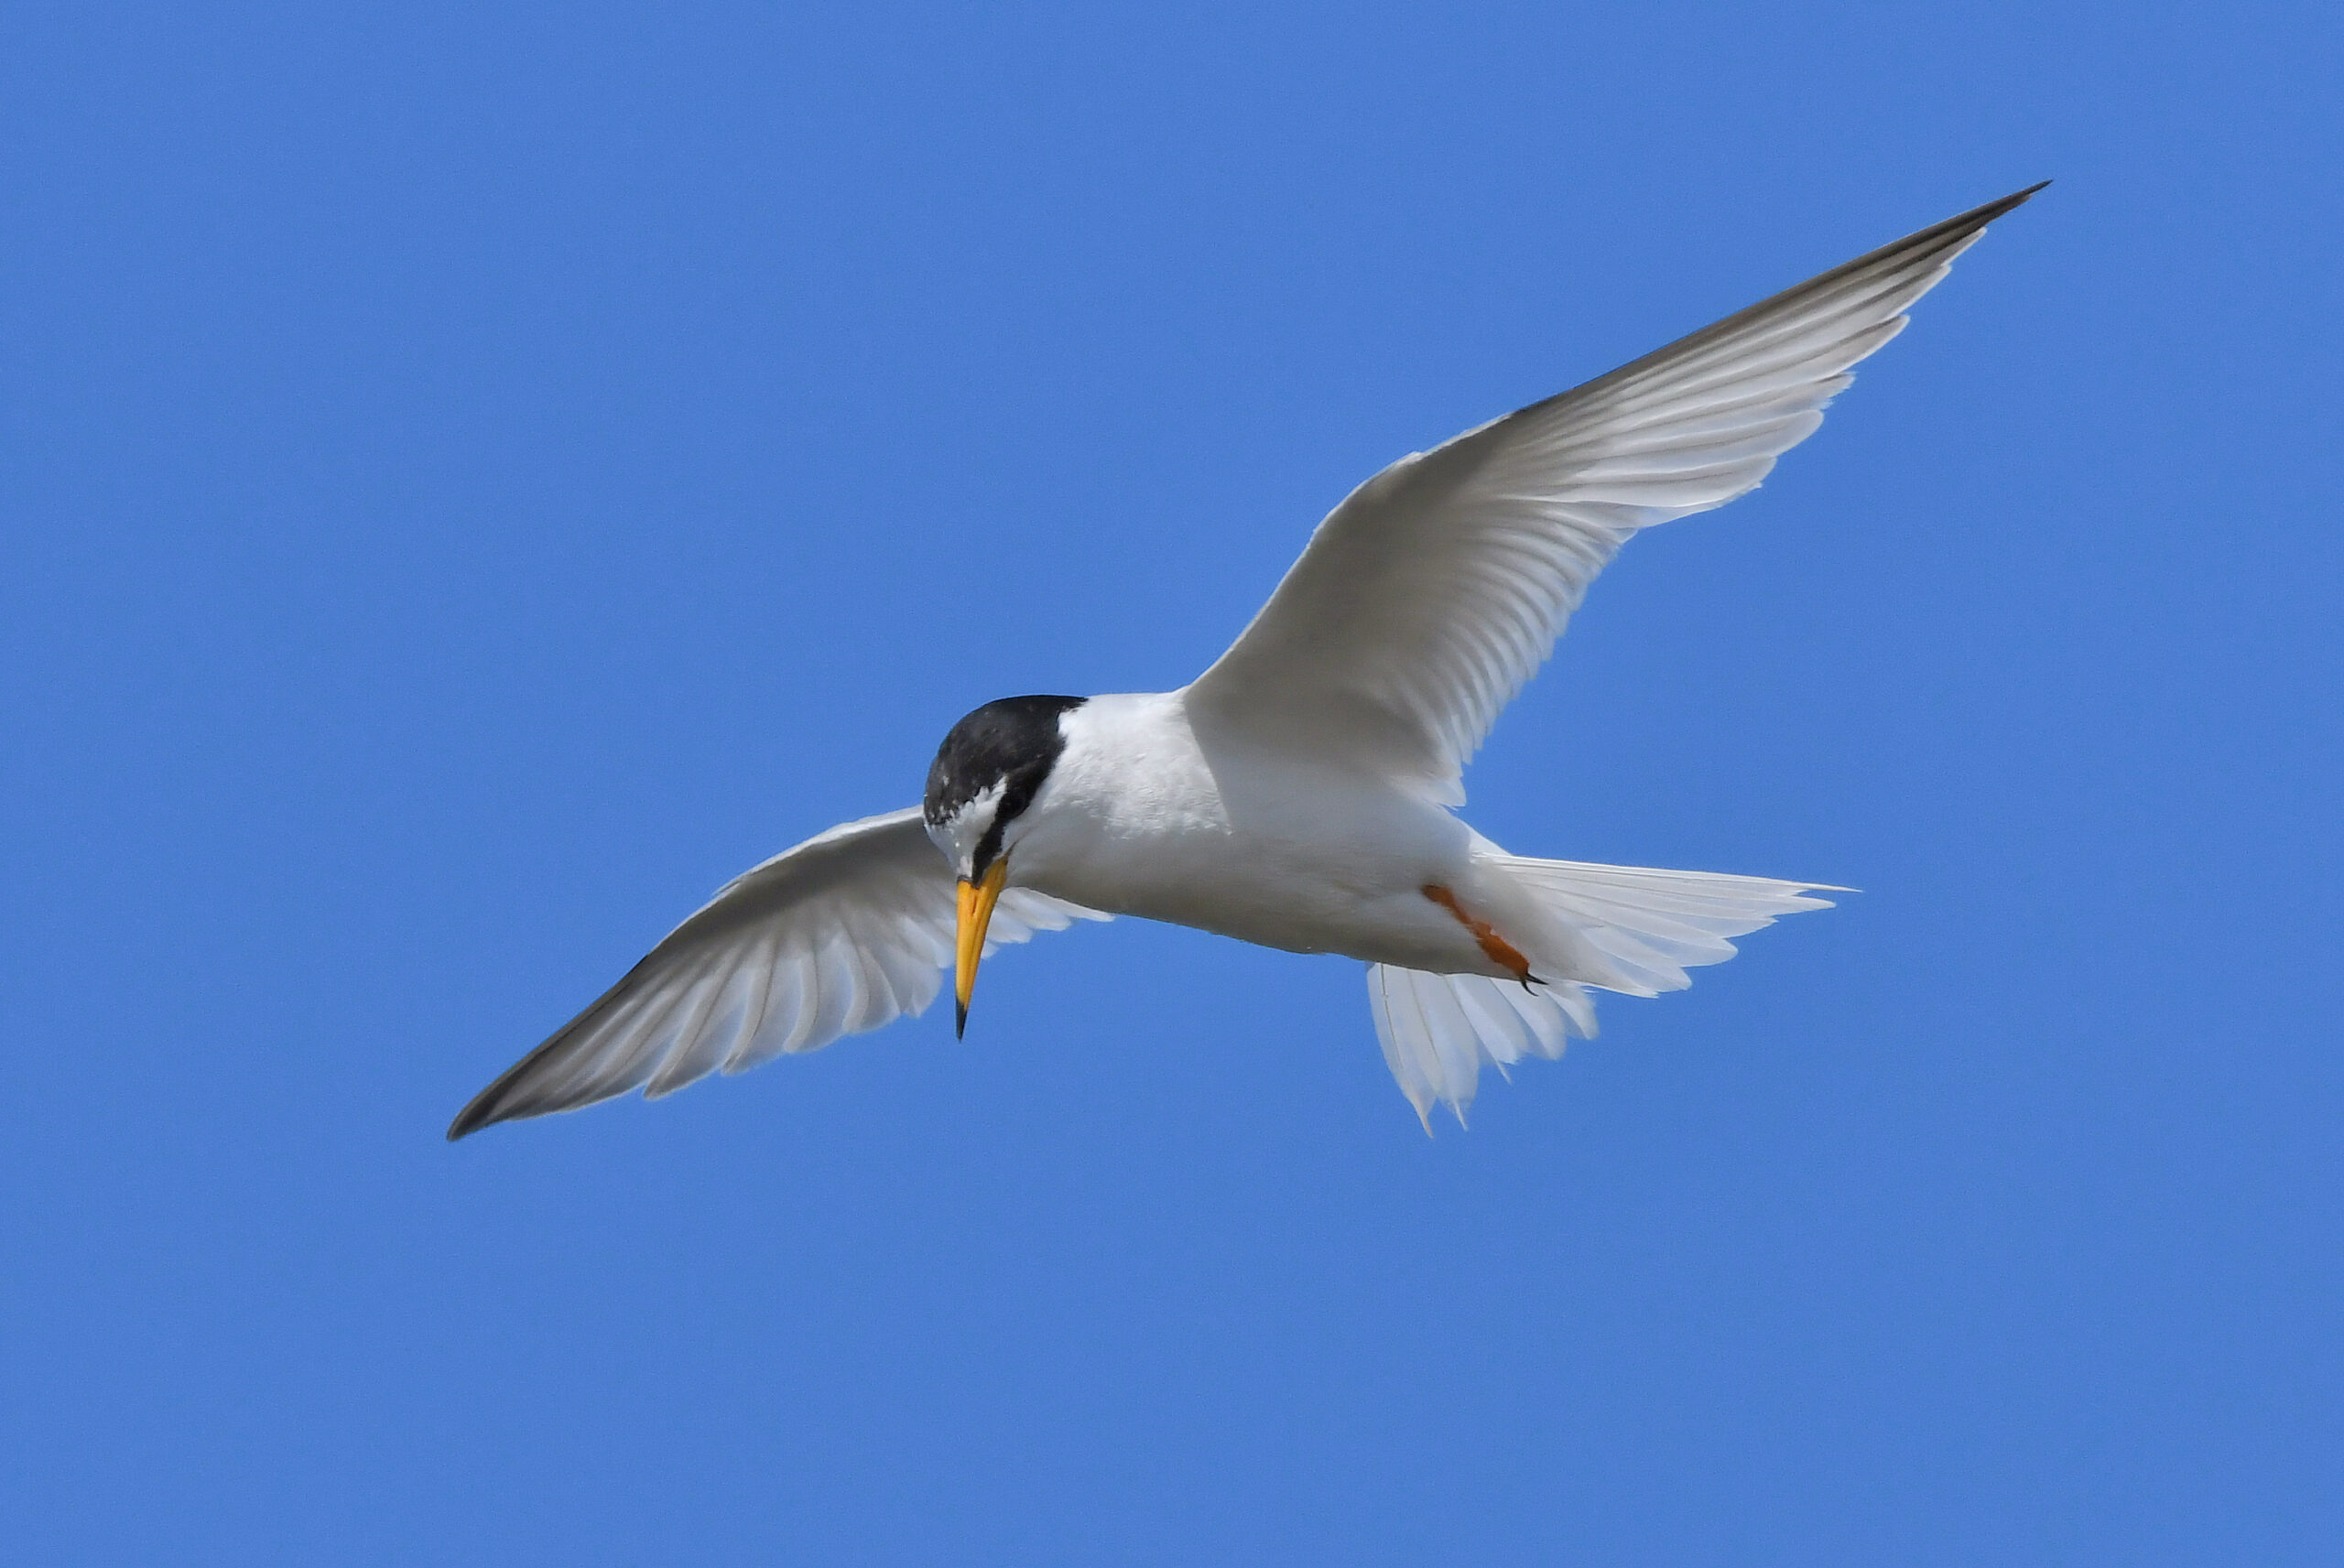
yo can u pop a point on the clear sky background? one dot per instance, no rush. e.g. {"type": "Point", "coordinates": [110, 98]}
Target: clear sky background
{"type": "Point", "coordinates": [476, 477]}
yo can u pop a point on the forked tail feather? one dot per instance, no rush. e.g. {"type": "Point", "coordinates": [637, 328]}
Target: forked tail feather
{"type": "Point", "coordinates": [1634, 929]}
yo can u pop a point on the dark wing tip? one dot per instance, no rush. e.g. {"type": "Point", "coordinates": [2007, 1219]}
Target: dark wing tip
{"type": "Point", "coordinates": [1993, 209]}
{"type": "Point", "coordinates": [1959, 227]}
{"type": "Point", "coordinates": [508, 1099]}
{"type": "Point", "coordinates": [1966, 223]}
{"type": "Point", "coordinates": [1921, 248]}
{"type": "Point", "coordinates": [503, 1101]}
{"type": "Point", "coordinates": [493, 1104]}
{"type": "Point", "coordinates": [480, 1113]}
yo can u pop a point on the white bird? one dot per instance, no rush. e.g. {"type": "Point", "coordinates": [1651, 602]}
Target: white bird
{"type": "Point", "coordinates": [1301, 792]}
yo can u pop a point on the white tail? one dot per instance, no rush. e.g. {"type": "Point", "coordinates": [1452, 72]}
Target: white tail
{"type": "Point", "coordinates": [1622, 928]}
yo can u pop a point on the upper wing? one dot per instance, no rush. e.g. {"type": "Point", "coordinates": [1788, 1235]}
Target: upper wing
{"type": "Point", "coordinates": [839, 935]}
{"type": "Point", "coordinates": [1427, 599]}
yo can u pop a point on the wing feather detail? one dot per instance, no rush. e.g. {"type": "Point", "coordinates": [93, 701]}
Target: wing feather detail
{"type": "Point", "coordinates": [848, 931]}
{"type": "Point", "coordinates": [1437, 588]}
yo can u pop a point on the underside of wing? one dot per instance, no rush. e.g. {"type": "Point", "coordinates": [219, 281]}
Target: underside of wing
{"type": "Point", "coordinates": [846, 932]}
{"type": "Point", "coordinates": [1425, 599]}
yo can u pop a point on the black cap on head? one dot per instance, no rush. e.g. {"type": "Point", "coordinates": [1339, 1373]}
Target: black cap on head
{"type": "Point", "coordinates": [1011, 743]}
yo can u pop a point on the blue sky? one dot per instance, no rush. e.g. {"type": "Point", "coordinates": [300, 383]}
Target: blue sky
{"type": "Point", "coordinates": [477, 477]}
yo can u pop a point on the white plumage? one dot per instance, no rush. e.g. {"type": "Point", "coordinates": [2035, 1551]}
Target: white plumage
{"type": "Point", "coordinates": [1299, 793]}
{"type": "Point", "coordinates": [848, 931]}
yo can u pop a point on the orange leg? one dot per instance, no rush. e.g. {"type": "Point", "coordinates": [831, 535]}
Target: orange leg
{"type": "Point", "coordinates": [1501, 952]}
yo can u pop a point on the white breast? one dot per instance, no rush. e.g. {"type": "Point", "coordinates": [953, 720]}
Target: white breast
{"type": "Point", "coordinates": [1142, 815]}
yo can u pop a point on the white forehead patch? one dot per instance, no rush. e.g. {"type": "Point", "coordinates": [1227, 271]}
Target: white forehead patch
{"type": "Point", "coordinates": [959, 835]}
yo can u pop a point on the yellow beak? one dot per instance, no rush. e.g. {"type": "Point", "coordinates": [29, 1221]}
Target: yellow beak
{"type": "Point", "coordinates": [977, 900]}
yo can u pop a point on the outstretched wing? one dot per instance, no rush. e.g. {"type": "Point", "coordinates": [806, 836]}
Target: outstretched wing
{"type": "Point", "coordinates": [1425, 599]}
{"type": "Point", "coordinates": [842, 934]}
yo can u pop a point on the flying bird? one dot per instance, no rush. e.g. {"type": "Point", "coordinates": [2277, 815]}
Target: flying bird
{"type": "Point", "coordinates": [1302, 793]}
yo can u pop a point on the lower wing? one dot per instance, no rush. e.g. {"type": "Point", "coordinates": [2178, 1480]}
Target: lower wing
{"type": "Point", "coordinates": [848, 931]}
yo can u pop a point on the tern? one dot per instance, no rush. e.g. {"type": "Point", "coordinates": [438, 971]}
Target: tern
{"type": "Point", "coordinates": [1301, 793]}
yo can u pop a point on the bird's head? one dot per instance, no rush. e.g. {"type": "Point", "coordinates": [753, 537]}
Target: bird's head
{"type": "Point", "coordinates": [986, 773]}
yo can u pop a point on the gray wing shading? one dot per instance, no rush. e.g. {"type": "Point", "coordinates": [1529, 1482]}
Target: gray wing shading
{"type": "Point", "coordinates": [1437, 588]}
{"type": "Point", "coordinates": [848, 931]}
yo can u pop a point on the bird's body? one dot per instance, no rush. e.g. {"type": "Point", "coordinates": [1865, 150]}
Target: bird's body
{"type": "Point", "coordinates": [1302, 793]}
{"type": "Point", "coordinates": [1145, 816]}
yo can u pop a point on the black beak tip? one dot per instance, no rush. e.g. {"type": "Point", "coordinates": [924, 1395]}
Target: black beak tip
{"type": "Point", "coordinates": [960, 1019]}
